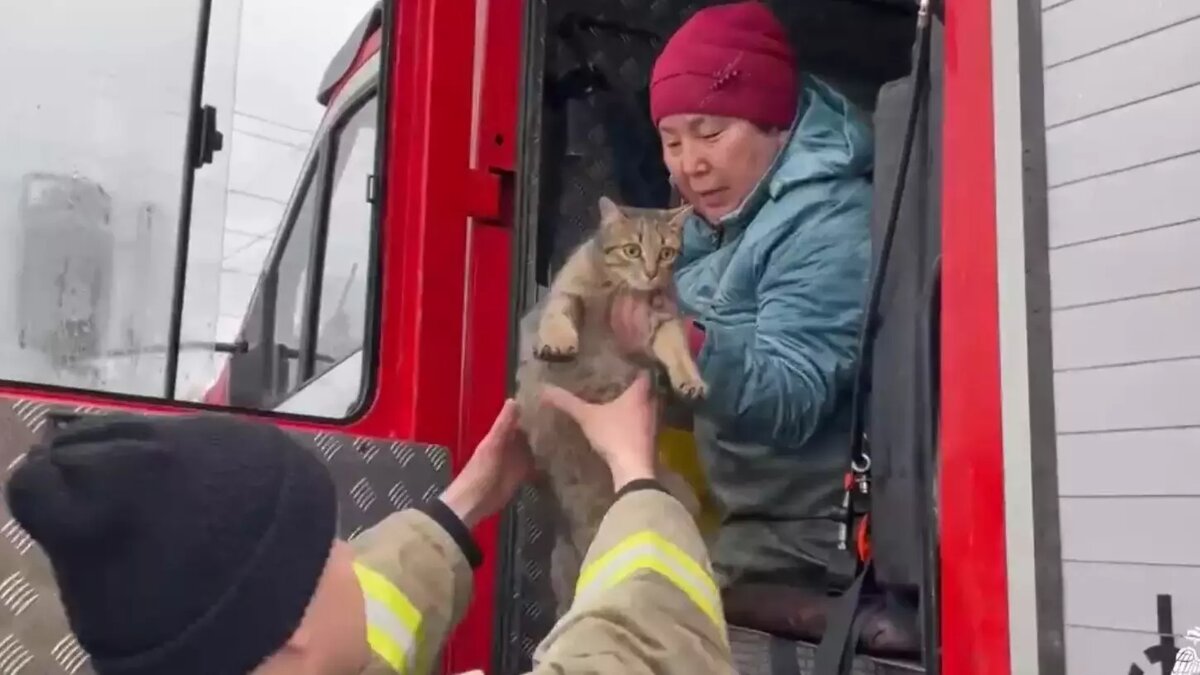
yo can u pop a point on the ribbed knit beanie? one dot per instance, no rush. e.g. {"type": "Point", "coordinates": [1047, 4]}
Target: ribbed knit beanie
{"type": "Point", "coordinates": [732, 60]}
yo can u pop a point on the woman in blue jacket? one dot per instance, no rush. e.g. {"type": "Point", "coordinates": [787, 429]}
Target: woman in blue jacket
{"type": "Point", "coordinates": [772, 275]}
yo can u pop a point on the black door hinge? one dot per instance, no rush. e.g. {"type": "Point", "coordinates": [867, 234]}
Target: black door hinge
{"type": "Point", "coordinates": [209, 141]}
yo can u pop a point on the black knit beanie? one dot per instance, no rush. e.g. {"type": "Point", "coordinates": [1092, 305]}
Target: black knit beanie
{"type": "Point", "coordinates": [181, 545]}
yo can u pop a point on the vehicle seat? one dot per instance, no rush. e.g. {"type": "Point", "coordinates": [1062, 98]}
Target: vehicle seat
{"type": "Point", "coordinates": [890, 627]}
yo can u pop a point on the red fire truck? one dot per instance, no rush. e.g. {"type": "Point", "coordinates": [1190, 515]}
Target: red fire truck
{"type": "Point", "coordinates": [459, 153]}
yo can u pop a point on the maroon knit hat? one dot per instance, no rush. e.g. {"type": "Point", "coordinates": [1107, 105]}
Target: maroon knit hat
{"type": "Point", "coordinates": [732, 60]}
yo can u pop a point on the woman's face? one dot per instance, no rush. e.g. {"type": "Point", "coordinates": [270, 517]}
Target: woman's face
{"type": "Point", "coordinates": [716, 161]}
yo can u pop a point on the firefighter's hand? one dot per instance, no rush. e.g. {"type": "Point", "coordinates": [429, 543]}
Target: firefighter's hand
{"type": "Point", "coordinates": [500, 463]}
{"type": "Point", "coordinates": [622, 431]}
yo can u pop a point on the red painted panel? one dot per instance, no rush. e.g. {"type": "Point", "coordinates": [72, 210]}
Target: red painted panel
{"type": "Point", "coordinates": [974, 584]}
{"type": "Point", "coordinates": [489, 271]}
{"type": "Point", "coordinates": [485, 379]}
{"type": "Point", "coordinates": [424, 247]}
{"type": "Point", "coordinates": [500, 85]}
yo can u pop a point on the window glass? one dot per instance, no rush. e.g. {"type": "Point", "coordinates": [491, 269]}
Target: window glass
{"type": "Point", "coordinates": [268, 368]}
{"type": "Point", "coordinates": [279, 70]}
{"type": "Point", "coordinates": [271, 374]}
{"type": "Point", "coordinates": [291, 290]}
{"type": "Point", "coordinates": [277, 123]}
{"type": "Point", "coordinates": [95, 185]}
{"type": "Point", "coordinates": [343, 306]}
{"type": "Point", "coordinates": [93, 127]}
{"type": "Point", "coordinates": [198, 363]}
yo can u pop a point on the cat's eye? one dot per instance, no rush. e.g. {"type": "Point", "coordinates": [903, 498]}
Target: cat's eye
{"type": "Point", "coordinates": [667, 254]}
{"type": "Point", "coordinates": [632, 250]}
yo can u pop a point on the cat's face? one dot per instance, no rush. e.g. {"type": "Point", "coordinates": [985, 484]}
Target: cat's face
{"type": "Point", "coordinates": [640, 245]}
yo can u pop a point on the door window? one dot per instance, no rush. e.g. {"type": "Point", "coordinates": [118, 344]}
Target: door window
{"type": "Point", "coordinates": [302, 324]}
{"type": "Point", "coordinates": [290, 278]}
{"type": "Point", "coordinates": [345, 275]}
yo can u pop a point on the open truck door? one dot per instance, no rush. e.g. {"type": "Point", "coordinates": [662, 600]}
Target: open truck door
{"type": "Point", "coordinates": [586, 132]}
{"type": "Point", "coordinates": [249, 191]}
{"type": "Point", "coordinates": [1034, 367]}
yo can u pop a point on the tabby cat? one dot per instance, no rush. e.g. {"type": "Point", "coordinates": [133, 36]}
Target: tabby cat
{"type": "Point", "coordinates": [567, 341]}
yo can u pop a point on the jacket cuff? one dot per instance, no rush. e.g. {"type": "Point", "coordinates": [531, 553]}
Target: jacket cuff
{"type": "Point", "coordinates": [640, 484]}
{"type": "Point", "coordinates": [695, 337]}
{"type": "Point", "coordinates": [449, 521]}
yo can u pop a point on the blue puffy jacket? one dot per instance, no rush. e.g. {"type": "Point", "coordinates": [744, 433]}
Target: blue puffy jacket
{"type": "Point", "coordinates": [779, 293]}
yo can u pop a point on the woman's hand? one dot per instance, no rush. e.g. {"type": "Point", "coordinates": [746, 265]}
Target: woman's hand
{"type": "Point", "coordinates": [622, 431]}
{"type": "Point", "coordinates": [632, 320]}
{"type": "Point", "coordinates": [629, 318]}
{"type": "Point", "coordinates": [500, 463]}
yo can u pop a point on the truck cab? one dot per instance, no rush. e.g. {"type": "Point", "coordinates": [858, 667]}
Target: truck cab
{"type": "Point", "coordinates": [335, 224]}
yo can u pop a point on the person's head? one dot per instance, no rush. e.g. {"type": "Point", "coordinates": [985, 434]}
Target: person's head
{"type": "Point", "coordinates": [194, 545]}
{"type": "Point", "coordinates": [331, 638]}
{"type": "Point", "coordinates": [723, 95]}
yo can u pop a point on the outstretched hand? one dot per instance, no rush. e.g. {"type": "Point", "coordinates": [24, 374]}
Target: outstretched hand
{"type": "Point", "coordinates": [500, 463]}
{"type": "Point", "coordinates": [622, 431]}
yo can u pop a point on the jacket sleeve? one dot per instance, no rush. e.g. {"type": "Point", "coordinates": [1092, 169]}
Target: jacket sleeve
{"type": "Point", "coordinates": [645, 601]}
{"type": "Point", "coordinates": [415, 571]}
{"type": "Point", "coordinates": [774, 381]}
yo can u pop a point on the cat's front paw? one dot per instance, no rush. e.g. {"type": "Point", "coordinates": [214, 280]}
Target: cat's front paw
{"type": "Point", "coordinates": [557, 342]}
{"type": "Point", "coordinates": [691, 389]}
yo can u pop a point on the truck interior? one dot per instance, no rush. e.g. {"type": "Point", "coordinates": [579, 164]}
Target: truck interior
{"type": "Point", "coordinates": [585, 132]}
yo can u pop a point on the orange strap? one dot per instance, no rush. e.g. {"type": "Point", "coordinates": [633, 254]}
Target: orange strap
{"type": "Point", "coordinates": [862, 539]}
{"type": "Point", "coordinates": [862, 536]}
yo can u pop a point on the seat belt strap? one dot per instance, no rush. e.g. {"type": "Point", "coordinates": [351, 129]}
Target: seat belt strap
{"type": "Point", "coordinates": [843, 624]}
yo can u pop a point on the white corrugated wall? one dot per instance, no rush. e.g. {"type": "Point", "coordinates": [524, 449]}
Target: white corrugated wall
{"type": "Point", "coordinates": [1122, 109]}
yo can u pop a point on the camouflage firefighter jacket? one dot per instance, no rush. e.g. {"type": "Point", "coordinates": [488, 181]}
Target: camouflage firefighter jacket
{"type": "Point", "coordinates": [646, 601]}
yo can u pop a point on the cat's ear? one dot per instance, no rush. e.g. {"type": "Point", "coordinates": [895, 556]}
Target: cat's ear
{"type": "Point", "coordinates": [609, 211]}
{"type": "Point", "coordinates": [678, 215]}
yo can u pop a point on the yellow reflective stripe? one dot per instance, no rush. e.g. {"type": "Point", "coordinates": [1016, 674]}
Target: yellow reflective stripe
{"type": "Point", "coordinates": [394, 626]}
{"type": "Point", "coordinates": [392, 653]}
{"type": "Point", "coordinates": [648, 551]}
